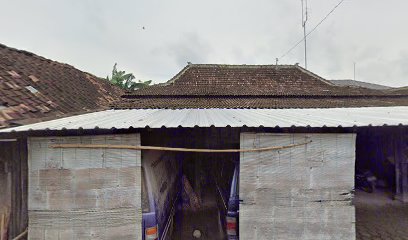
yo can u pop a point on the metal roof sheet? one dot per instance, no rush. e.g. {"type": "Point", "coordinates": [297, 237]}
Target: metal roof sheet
{"type": "Point", "coordinates": [157, 118]}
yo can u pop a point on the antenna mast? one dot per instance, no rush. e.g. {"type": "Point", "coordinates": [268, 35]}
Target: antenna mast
{"type": "Point", "coordinates": [354, 71]}
{"type": "Point", "coordinates": [304, 20]}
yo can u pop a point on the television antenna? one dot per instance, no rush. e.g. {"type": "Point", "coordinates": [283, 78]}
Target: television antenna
{"type": "Point", "coordinates": [311, 31]}
{"type": "Point", "coordinates": [305, 17]}
{"type": "Point", "coordinates": [354, 71]}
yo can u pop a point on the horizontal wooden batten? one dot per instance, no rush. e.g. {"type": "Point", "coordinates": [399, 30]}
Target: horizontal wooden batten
{"type": "Point", "coordinates": [104, 146]}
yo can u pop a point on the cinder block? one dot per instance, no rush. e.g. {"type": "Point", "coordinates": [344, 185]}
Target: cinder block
{"type": "Point", "coordinates": [69, 158]}
{"type": "Point", "coordinates": [34, 181]}
{"type": "Point", "coordinates": [83, 159]}
{"type": "Point", "coordinates": [66, 234]}
{"type": "Point", "coordinates": [81, 232]}
{"type": "Point", "coordinates": [36, 233]}
{"type": "Point", "coordinates": [123, 232]}
{"type": "Point", "coordinates": [66, 179]}
{"type": "Point", "coordinates": [100, 178]}
{"type": "Point", "coordinates": [97, 233]}
{"type": "Point", "coordinates": [80, 180]}
{"type": "Point", "coordinates": [86, 199]}
{"type": "Point", "coordinates": [130, 197]}
{"type": "Point", "coordinates": [129, 176]}
{"type": "Point", "coordinates": [60, 200]}
{"type": "Point", "coordinates": [50, 179]}
{"type": "Point", "coordinates": [53, 158]}
{"type": "Point", "coordinates": [113, 158]}
{"type": "Point", "coordinates": [37, 157]}
{"type": "Point", "coordinates": [130, 158]}
{"type": "Point", "coordinates": [37, 200]}
{"type": "Point", "coordinates": [112, 198]}
{"type": "Point", "coordinates": [51, 234]}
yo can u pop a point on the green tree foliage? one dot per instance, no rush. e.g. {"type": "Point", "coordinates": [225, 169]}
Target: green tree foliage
{"type": "Point", "coordinates": [126, 80]}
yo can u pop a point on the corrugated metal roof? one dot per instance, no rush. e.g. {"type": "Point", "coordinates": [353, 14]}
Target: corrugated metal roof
{"type": "Point", "coordinates": [157, 118]}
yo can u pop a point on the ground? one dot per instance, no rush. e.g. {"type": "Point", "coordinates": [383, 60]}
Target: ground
{"type": "Point", "coordinates": [380, 218]}
{"type": "Point", "coordinates": [206, 220]}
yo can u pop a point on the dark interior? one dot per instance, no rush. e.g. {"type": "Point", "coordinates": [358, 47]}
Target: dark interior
{"type": "Point", "coordinates": [379, 211]}
{"type": "Point", "coordinates": [376, 155]}
{"type": "Point", "coordinates": [208, 174]}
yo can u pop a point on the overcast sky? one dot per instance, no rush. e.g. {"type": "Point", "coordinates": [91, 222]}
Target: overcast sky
{"type": "Point", "coordinates": [94, 34]}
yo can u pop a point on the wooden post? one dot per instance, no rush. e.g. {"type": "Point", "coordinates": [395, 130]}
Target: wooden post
{"type": "Point", "coordinates": [401, 166]}
{"type": "Point", "coordinates": [2, 228]}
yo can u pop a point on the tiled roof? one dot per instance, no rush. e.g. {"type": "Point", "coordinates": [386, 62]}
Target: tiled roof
{"type": "Point", "coordinates": [354, 83]}
{"type": "Point", "coordinates": [33, 88]}
{"type": "Point", "coordinates": [248, 80]}
{"type": "Point", "coordinates": [259, 102]}
{"type": "Point", "coordinates": [254, 86]}
{"type": "Point", "coordinates": [400, 90]}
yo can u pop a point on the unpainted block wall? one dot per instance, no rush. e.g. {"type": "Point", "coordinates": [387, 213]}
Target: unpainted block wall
{"type": "Point", "coordinates": [298, 193]}
{"type": "Point", "coordinates": [84, 193]}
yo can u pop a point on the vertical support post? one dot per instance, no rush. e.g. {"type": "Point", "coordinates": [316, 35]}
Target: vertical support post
{"type": "Point", "coordinates": [19, 190]}
{"type": "Point", "coordinates": [401, 165]}
{"type": "Point", "coordinates": [404, 174]}
{"type": "Point", "coordinates": [2, 221]}
{"type": "Point", "coordinates": [198, 172]}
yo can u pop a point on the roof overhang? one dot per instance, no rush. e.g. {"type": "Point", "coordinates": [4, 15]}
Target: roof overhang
{"type": "Point", "coordinates": [188, 118]}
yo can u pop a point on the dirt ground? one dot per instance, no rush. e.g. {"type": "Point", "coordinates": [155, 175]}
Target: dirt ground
{"type": "Point", "coordinates": [380, 218]}
{"type": "Point", "coordinates": [206, 220]}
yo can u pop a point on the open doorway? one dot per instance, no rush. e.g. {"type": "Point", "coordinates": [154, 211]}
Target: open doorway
{"type": "Point", "coordinates": [189, 195]}
{"type": "Point", "coordinates": [380, 211]}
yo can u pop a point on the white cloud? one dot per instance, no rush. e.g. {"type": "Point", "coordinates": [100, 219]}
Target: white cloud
{"type": "Point", "coordinates": [93, 35]}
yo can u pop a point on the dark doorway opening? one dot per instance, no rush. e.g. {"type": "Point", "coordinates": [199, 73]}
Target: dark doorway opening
{"type": "Point", "coordinates": [193, 194]}
{"type": "Point", "coordinates": [379, 198]}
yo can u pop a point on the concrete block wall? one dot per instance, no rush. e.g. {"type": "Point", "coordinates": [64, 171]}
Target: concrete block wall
{"type": "Point", "coordinates": [84, 193]}
{"type": "Point", "coordinates": [298, 193]}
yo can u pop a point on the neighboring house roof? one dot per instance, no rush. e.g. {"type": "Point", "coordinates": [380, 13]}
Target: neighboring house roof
{"type": "Point", "coordinates": [354, 83]}
{"type": "Point", "coordinates": [253, 86]}
{"type": "Point", "coordinates": [400, 90]}
{"type": "Point", "coordinates": [33, 88]}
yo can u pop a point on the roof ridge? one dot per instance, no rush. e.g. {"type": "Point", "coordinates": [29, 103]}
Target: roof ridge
{"type": "Point", "coordinates": [239, 65]}
{"type": "Point", "coordinates": [28, 53]}
{"type": "Point", "coordinates": [31, 54]}
{"type": "Point", "coordinates": [307, 95]}
{"type": "Point", "coordinates": [314, 75]}
{"type": "Point", "coordinates": [173, 79]}
{"type": "Point", "coordinates": [190, 65]}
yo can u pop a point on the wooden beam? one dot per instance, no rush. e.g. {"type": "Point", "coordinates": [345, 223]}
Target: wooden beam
{"type": "Point", "coordinates": [8, 140]}
{"type": "Point", "coordinates": [99, 146]}
{"type": "Point", "coordinates": [21, 235]}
